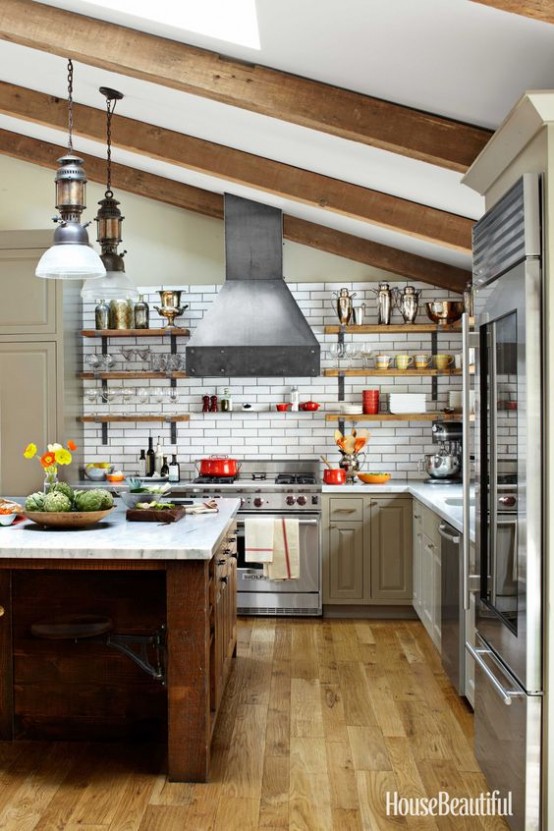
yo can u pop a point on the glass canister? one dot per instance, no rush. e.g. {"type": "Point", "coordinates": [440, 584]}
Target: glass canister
{"type": "Point", "coordinates": [121, 314]}
{"type": "Point", "coordinates": [102, 315]}
{"type": "Point", "coordinates": [141, 313]}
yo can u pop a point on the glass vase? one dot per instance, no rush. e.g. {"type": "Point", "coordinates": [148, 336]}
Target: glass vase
{"type": "Point", "coordinates": [50, 479]}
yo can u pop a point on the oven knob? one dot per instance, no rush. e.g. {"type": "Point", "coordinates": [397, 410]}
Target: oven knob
{"type": "Point", "coordinates": [301, 500]}
{"type": "Point", "coordinates": [290, 500]}
{"type": "Point", "coordinates": [258, 502]}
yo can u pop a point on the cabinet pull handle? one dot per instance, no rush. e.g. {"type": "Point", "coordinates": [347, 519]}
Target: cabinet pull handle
{"type": "Point", "coordinates": [417, 516]}
{"type": "Point", "coordinates": [344, 511]}
{"type": "Point", "coordinates": [430, 546]}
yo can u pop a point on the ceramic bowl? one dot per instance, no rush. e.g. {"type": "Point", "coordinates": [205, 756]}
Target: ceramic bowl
{"type": "Point", "coordinates": [97, 474]}
{"type": "Point", "coordinates": [309, 406]}
{"type": "Point", "coordinates": [282, 408]}
{"type": "Point", "coordinates": [374, 478]}
{"type": "Point", "coordinates": [131, 499]}
{"type": "Point", "coordinates": [7, 519]}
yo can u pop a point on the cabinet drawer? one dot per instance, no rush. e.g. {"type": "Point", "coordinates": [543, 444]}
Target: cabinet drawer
{"type": "Point", "coordinates": [346, 509]}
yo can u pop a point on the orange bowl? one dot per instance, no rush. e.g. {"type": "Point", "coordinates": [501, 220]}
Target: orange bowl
{"type": "Point", "coordinates": [374, 478]}
{"type": "Point", "coordinates": [115, 477]}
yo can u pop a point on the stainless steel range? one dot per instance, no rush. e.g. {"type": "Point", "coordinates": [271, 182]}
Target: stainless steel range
{"type": "Point", "coordinates": [273, 489]}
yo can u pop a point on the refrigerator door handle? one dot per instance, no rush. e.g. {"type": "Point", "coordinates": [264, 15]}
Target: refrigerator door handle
{"type": "Point", "coordinates": [505, 695]}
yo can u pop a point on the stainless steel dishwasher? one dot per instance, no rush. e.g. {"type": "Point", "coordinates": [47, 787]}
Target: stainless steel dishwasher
{"type": "Point", "coordinates": [452, 607]}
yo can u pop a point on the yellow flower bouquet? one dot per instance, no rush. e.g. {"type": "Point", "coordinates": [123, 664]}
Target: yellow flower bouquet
{"type": "Point", "coordinates": [56, 454]}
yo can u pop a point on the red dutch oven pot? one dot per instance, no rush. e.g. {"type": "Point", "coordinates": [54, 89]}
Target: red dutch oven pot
{"type": "Point", "coordinates": [334, 476]}
{"type": "Point", "coordinates": [218, 466]}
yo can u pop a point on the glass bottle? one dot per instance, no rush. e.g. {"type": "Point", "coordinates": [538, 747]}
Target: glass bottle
{"type": "Point", "coordinates": [142, 463]}
{"type": "Point", "coordinates": [174, 469]}
{"type": "Point", "coordinates": [164, 470]}
{"type": "Point", "coordinates": [158, 457]}
{"type": "Point", "coordinates": [142, 313]}
{"type": "Point", "coordinates": [101, 315]}
{"type": "Point", "coordinates": [150, 458]}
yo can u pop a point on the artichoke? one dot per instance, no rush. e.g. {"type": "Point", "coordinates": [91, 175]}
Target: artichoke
{"type": "Point", "coordinates": [55, 501]}
{"type": "Point", "coordinates": [35, 501]}
{"type": "Point", "coordinates": [96, 499]}
{"type": "Point", "coordinates": [63, 487]}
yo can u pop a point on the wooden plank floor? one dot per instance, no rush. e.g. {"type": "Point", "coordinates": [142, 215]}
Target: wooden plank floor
{"type": "Point", "coordinates": [321, 719]}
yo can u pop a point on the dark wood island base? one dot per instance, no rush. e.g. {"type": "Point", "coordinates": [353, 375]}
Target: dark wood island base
{"type": "Point", "coordinates": [67, 689]}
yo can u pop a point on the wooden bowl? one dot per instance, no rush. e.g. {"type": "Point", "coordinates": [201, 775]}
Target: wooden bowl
{"type": "Point", "coordinates": [66, 519]}
{"type": "Point", "coordinates": [374, 478]}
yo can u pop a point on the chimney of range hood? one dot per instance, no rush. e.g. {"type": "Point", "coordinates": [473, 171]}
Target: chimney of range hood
{"type": "Point", "coordinates": [254, 327]}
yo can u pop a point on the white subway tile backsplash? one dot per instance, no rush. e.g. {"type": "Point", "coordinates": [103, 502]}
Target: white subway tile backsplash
{"type": "Point", "coordinates": [398, 445]}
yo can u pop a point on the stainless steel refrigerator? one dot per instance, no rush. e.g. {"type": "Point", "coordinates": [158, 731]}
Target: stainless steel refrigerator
{"type": "Point", "coordinates": [507, 277]}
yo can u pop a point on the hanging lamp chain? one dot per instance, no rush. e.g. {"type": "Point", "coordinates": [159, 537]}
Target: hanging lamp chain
{"type": "Point", "coordinates": [110, 107]}
{"type": "Point", "coordinates": [70, 105]}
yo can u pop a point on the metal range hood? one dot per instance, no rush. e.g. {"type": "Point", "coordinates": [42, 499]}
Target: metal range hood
{"type": "Point", "coordinates": [254, 327]}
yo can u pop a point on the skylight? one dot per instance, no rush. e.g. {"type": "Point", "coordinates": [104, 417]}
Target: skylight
{"type": "Point", "coordinates": [234, 21]}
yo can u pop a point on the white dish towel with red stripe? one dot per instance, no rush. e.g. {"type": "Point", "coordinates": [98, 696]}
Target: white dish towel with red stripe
{"type": "Point", "coordinates": [276, 544]}
{"type": "Point", "coordinates": [286, 550]}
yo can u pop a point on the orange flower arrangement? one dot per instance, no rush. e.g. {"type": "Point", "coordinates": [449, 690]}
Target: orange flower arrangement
{"type": "Point", "coordinates": [56, 454]}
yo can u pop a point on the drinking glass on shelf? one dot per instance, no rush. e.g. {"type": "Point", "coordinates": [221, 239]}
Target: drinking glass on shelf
{"type": "Point", "coordinates": [157, 395]}
{"type": "Point", "coordinates": [158, 362]}
{"type": "Point", "coordinates": [93, 361]}
{"type": "Point", "coordinates": [108, 362]}
{"type": "Point", "coordinates": [143, 352]}
{"type": "Point", "coordinates": [109, 396]}
{"type": "Point", "coordinates": [128, 353]}
{"type": "Point", "coordinates": [172, 395]}
{"type": "Point", "coordinates": [337, 351]}
{"type": "Point", "coordinates": [174, 362]}
{"type": "Point", "coordinates": [143, 395]}
{"type": "Point", "coordinates": [91, 396]}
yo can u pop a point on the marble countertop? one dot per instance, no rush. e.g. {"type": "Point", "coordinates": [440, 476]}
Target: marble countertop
{"type": "Point", "coordinates": [433, 496]}
{"type": "Point", "coordinates": [191, 538]}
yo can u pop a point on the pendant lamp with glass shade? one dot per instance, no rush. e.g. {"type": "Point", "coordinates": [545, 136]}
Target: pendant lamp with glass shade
{"type": "Point", "coordinates": [71, 257]}
{"type": "Point", "coordinates": [115, 284]}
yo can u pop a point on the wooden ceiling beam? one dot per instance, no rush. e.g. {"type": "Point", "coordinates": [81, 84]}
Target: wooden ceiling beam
{"type": "Point", "coordinates": [230, 165]}
{"type": "Point", "coordinates": [536, 9]}
{"type": "Point", "coordinates": [309, 103]}
{"type": "Point", "coordinates": [408, 266]}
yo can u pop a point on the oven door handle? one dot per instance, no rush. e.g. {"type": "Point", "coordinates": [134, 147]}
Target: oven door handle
{"type": "Point", "coordinates": [285, 516]}
{"type": "Point", "coordinates": [455, 538]}
{"type": "Point", "coordinates": [505, 695]}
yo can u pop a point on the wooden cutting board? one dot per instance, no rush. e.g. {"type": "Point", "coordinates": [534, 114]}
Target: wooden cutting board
{"type": "Point", "coordinates": [152, 515]}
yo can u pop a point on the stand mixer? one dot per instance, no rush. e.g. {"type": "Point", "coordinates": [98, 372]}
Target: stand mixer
{"type": "Point", "coordinates": [445, 466]}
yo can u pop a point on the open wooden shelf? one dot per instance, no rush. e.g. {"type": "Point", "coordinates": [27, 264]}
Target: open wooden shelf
{"type": "Point", "coordinates": [413, 373]}
{"type": "Point", "coordinates": [393, 417]}
{"type": "Point", "coordinates": [121, 375]}
{"type": "Point", "coordinates": [392, 328]}
{"type": "Point", "coordinates": [106, 419]}
{"type": "Point", "coordinates": [174, 331]}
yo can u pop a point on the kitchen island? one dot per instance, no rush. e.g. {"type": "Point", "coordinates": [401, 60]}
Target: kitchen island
{"type": "Point", "coordinates": [178, 579]}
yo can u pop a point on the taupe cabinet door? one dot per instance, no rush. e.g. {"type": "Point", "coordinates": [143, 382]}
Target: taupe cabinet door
{"type": "Point", "coordinates": [27, 412]}
{"type": "Point", "coordinates": [390, 523]}
{"type": "Point", "coordinates": [28, 304]}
